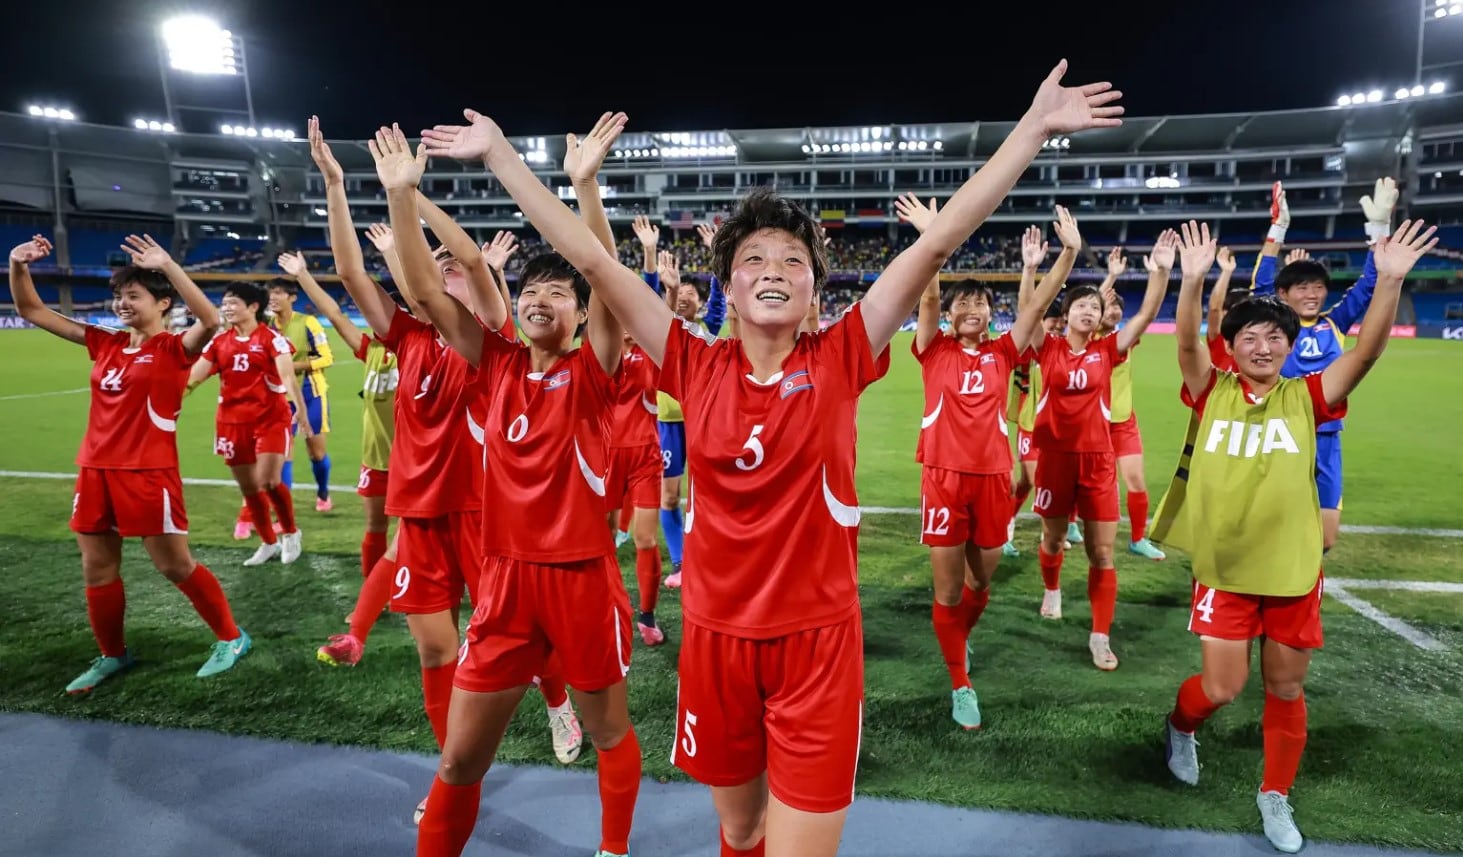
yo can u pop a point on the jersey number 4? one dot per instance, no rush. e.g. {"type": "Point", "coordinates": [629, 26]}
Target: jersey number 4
{"type": "Point", "coordinates": [112, 381]}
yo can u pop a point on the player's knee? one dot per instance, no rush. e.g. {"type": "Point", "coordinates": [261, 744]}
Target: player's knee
{"type": "Point", "coordinates": [176, 568]}
{"type": "Point", "coordinates": [436, 653]}
{"type": "Point", "coordinates": [644, 541]}
{"type": "Point", "coordinates": [1222, 690]}
{"type": "Point", "coordinates": [1286, 689]}
{"type": "Point", "coordinates": [1099, 555]}
{"type": "Point", "coordinates": [99, 570]}
{"type": "Point", "coordinates": [458, 769]}
{"type": "Point", "coordinates": [744, 831]}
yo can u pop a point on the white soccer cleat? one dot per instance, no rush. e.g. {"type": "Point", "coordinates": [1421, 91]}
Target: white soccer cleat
{"type": "Point", "coordinates": [421, 810]}
{"type": "Point", "coordinates": [1100, 645]}
{"type": "Point", "coordinates": [264, 554]}
{"type": "Point", "coordinates": [289, 546]}
{"type": "Point", "coordinates": [1181, 752]}
{"type": "Point", "coordinates": [1279, 821]}
{"type": "Point", "coordinates": [1051, 604]}
{"type": "Point", "coordinates": [568, 736]}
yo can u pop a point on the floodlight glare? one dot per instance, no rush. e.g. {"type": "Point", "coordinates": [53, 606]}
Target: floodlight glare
{"type": "Point", "coordinates": [199, 45]}
{"type": "Point", "coordinates": [1436, 88]}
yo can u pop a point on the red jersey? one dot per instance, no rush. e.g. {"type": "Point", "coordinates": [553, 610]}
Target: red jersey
{"type": "Point", "coordinates": [436, 457]}
{"type": "Point", "coordinates": [549, 455]}
{"type": "Point", "coordinates": [1075, 408]}
{"type": "Point", "coordinates": [1219, 355]}
{"type": "Point", "coordinates": [250, 388]}
{"type": "Point", "coordinates": [772, 518]}
{"type": "Point", "coordinates": [635, 409]}
{"type": "Point", "coordinates": [136, 394]}
{"type": "Point", "coordinates": [964, 425]}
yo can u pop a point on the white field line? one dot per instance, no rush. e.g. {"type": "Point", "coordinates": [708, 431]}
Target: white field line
{"type": "Point", "coordinates": [1417, 638]}
{"type": "Point", "coordinates": [226, 483]}
{"type": "Point", "coordinates": [44, 395]}
{"type": "Point", "coordinates": [1398, 585]}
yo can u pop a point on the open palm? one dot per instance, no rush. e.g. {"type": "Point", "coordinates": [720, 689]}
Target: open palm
{"type": "Point", "coordinates": [1068, 109]}
{"type": "Point", "coordinates": [322, 156]}
{"type": "Point", "coordinates": [146, 253]}
{"type": "Point", "coordinates": [396, 166]}
{"type": "Point", "coordinates": [33, 250]}
{"type": "Point", "coordinates": [916, 213]}
{"type": "Point", "coordinates": [583, 158]}
{"type": "Point", "coordinates": [476, 140]}
{"type": "Point", "coordinates": [1395, 255]}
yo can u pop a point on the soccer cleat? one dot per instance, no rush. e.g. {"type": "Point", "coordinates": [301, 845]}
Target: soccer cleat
{"type": "Point", "coordinates": [1181, 752]}
{"type": "Point", "coordinates": [650, 635]}
{"type": "Point", "coordinates": [421, 810]}
{"type": "Point", "coordinates": [225, 654]}
{"type": "Point", "coordinates": [673, 580]}
{"type": "Point", "coordinates": [965, 708]}
{"type": "Point", "coordinates": [1074, 532]}
{"type": "Point", "coordinates": [1279, 820]}
{"type": "Point", "coordinates": [1051, 604]}
{"type": "Point", "coordinates": [1009, 549]}
{"type": "Point", "coordinates": [289, 546]}
{"type": "Point", "coordinates": [243, 530]}
{"type": "Point", "coordinates": [101, 669]}
{"type": "Point", "coordinates": [1145, 548]}
{"type": "Point", "coordinates": [323, 504]}
{"type": "Point", "coordinates": [621, 537]}
{"type": "Point", "coordinates": [1101, 648]}
{"type": "Point", "coordinates": [568, 737]}
{"type": "Point", "coordinates": [343, 650]}
{"type": "Point", "coordinates": [264, 554]}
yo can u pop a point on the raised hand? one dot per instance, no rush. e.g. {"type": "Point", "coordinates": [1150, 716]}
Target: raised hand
{"type": "Point", "coordinates": [1395, 255]}
{"type": "Point", "coordinates": [916, 213]}
{"type": "Point", "coordinates": [497, 252]}
{"type": "Point", "coordinates": [1117, 263]}
{"type": "Point", "coordinates": [478, 139]}
{"type": "Point", "coordinates": [1066, 229]}
{"type": "Point", "coordinates": [1378, 206]}
{"type": "Point", "coordinates": [1227, 261]}
{"type": "Point", "coordinates": [381, 237]}
{"type": "Point", "coordinates": [707, 231]}
{"type": "Point", "coordinates": [647, 233]}
{"type": "Point", "coordinates": [396, 166]}
{"type": "Point", "coordinates": [1033, 248]}
{"type": "Point", "coordinates": [1068, 109]}
{"type": "Point", "coordinates": [293, 263]}
{"type": "Point", "coordinates": [34, 250]}
{"type": "Point", "coordinates": [1164, 250]}
{"type": "Point", "coordinates": [582, 158]}
{"type": "Point", "coordinates": [1297, 255]}
{"type": "Point", "coordinates": [670, 270]}
{"type": "Point", "coordinates": [321, 154]}
{"type": "Point", "coordinates": [146, 253]}
{"type": "Point", "coordinates": [1279, 210]}
{"type": "Point", "coordinates": [1196, 249]}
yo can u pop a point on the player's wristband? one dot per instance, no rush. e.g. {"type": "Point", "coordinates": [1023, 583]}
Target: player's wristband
{"type": "Point", "coordinates": [1276, 233]}
{"type": "Point", "coordinates": [1376, 231]}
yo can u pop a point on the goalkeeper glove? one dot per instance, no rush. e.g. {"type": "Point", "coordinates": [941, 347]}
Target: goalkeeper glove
{"type": "Point", "coordinates": [1279, 215]}
{"type": "Point", "coordinates": [1378, 208]}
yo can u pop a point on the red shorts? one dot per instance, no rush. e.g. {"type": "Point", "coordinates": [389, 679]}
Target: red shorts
{"type": "Point", "coordinates": [1087, 481]}
{"type": "Point", "coordinates": [243, 443]}
{"type": "Point", "coordinates": [1025, 446]}
{"type": "Point", "coordinates": [634, 473]}
{"type": "Point", "coordinates": [578, 610]}
{"type": "Point", "coordinates": [435, 558]}
{"type": "Point", "coordinates": [129, 502]}
{"type": "Point", "coordinates": [1126, 440]}
{"type": "Point", "coordinates": [1294, 621]}
{"type": "Point", "coordinates": [959, 508]}
{"type": "Point", "coordinates": [372, 482]}
{"type": "Point", "coordinates": [791, 706]}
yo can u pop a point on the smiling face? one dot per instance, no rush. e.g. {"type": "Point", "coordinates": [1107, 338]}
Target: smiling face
{"type": "Point", "coordinates": [235, 311]}
{"type": "Point", "coordinates": [549, 312]}
{"type": "Point", "coordinates": [1084, 315]}
{"type": "Point", "coordinates": [280, 301]}
{"type": "Point", "coordinates": [454, 276]}
{"type": "Point", "coordinates": [688, 301]}
{"type": "Point", "coordinates": [772, 279]}
{"type": "Point", "coordinates": [969, 314]}
{"type": "Point", "coordinates": [138, 308]}
{"type": "Point", "coordinates": [1305, 298]}
{"type": "Point", "coordinates": [1259, 351]}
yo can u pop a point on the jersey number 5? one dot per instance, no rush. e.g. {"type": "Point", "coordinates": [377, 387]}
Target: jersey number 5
{"type": "Point", "coordinates": [754, 446]}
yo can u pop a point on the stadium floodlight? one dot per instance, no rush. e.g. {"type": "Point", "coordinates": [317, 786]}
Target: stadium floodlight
{"type": "Point", "coordinates": [1374, 96]}
{"type": "Point", "coordinates": [49, 112]}
{"type": "Point", "coordinates": [198, 45]}
{"type": "Point", "coordinates": [154, 125]}
{"type": "Point", "coordinates": [1436, 88]}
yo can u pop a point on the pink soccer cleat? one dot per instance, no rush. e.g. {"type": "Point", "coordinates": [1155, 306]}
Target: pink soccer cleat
{"type": "Point", "coordinates": [243, 530]}
{"type": "Point", "coordinates": [323, 504]}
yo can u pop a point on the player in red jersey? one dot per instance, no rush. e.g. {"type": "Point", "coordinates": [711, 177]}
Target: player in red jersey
{"type": "Point", "coordinates": [550, 583]}
{"type": "Point", "coordinates": [635, 476]}
{"type": "Point", "coordinates": [1076, 471]}
{"type": "Point", "coordinates": [256, 385]}
{"type": "Point", "coordinates": [128, 484]}
{"type": "Point", "coordinates": [965, 448]}
{"type": "Point", "coordinates": [770, 702]}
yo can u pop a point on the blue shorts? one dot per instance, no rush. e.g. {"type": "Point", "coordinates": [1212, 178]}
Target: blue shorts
{"type": "Point", "coordinates": [317, 409]}
{"type": "Point", "coordinates": [672, 449]}
{"type": "Point", "coordinates": [1328, 469]}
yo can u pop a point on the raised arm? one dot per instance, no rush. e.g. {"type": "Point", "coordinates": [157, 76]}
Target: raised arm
{"type": "Point", "coordinates": [28, 302]}
{"type": "Point", "coordinates": [146, 253]}
{"type": "Point", "coordinates": [648, 234]}
{"type": "Point", "coordinates": [643, 313]}
{"type": "Point", "coordinates": [1160, 266]}
{"type": "Point", "coordinates": [668, 276]}
{"type": "Point", "coordinates": [582, 160]}
{"type": "Point", "coordinates": [1027, 330]}
{"type": "Point", "coordinates": [927, 320]}
{"type": "Point", "coordinates": [1196, 254]}
{"type": "Point", "coordinates": [294, 265]}
{"type": "Point", "coordinates": [1378, 207]}
{"type": "Point", "coordinates": [376, 306]}
{"type": "Point", "coordinates": [1033, 253]}
{"type": "Point", "coordinates": [1395, 257]}
{"type": "Point", "coordinates": [379, 234]}
{"type": "Point", "coordinates": [1227, 264]}
{"type": "Point", "coordinates": [496, 254]}
{"type": "Point", "coordinates": [487, 301]}
{"type": "Point", "coordinates": [1055, 110]}
{"type": "Point", "coordinates": [1262, 279]}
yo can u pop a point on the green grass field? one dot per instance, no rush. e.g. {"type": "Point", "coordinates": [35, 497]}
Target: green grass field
{"type": "Point", "coordinates": [1059, 738]}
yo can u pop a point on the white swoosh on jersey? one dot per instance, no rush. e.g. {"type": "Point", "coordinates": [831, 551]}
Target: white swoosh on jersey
{"type": "Point", "coordinates": [1041, 403]}
{"type": "Point", "coordinates": [596, 483]}
{"type": "Point", "coordinates": [649, 405]}
{"type": "Point", "coordinates": [474, 429]}
{"type": "Point", "coordinates": [690, 505]}
{"type": "Point", "coordinates": [843, 514]}
{"type": "Point", "coordinates": [929, 419]}
{"type": "Point", "coordinates": [1106, 412]}
{"type": "Point", "coordinates": [159, 421]}
{"type": "Point", "coordinates": [275, 388]}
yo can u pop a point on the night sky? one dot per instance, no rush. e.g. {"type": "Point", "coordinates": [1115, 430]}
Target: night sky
{"type": "Point", "coordinates": [675, 67]}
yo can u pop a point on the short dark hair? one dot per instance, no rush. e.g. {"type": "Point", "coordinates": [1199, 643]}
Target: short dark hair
{"type": "Point", "coordinates": [250, 293]}
{"type": "Point", "coordinates": [285, 284]}
{"type": "Point", "coordinates": [967, 289]}
{"type": "Point", "coordinates": [1054, 310]}
{"type": "Point", "coordinates": [1233, 298]}
{"type": "Point", "coordinates": [1266, 310]}
{"type": "Point", "coordinates": [1302, 271]}
{"type": "Point", "coordinates": [1080, 292]}
{"type": "Point", "coordinates": [762, 209]}
{"type": "Point", "coordinates": [155, 282]}
{"type": "Point", "coordinates": [551, 267]}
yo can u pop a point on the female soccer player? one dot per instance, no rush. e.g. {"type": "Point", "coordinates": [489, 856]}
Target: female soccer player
{"type": "Point", "coordinates": [1257, 563]}
{"type": "Point", "coordinates": [256, 386]}
{"type": "Point", "coordinates": [312, 358]}
{"type": "Point", "coordinates": [770, 703]}
{"type": "Point", "coordinates": [964, 445]}
{"type": "Point", "coordinates": [550, 583]}
{"type": "Point", "coordinates": [128, 483]}
{"type": "Point", "coordinates": [1076, 470]}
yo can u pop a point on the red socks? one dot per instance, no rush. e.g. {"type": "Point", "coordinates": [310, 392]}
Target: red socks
{"type": "Point", "coordinates": [1192, 707]}
{"type": "Point", "coordinates": [758, 850]}
{"type": "Point", "coordinates": [1102, 593]}
{"type": "Point", "coordinates": [972, 604]}
{"type": "Point", "coordinates": [1284, 728]}
{"type": "Point", "coordinates": [208, 599]}
{"type": "Point", "coordinates": [373, 547]}
{"type": "Point", "coordinates": [551, 685]}
{"type": "Point", "coordinates": [619, 786]}
{"type": "Point", "coordinates": [1051, 568]}
{"type": "Point", "coordinates": [375, 594]}
{"type": "Point", "coordinates": [1138, 514]}
{"type": "Point", "coordinates": [951, 633]}
{"type": "Point", "coordinates": [105, 607]}
{"type": "Point", "coordinates": [647, 576]}
{"type": "Point", "coordinates": [258, 505]}
{"type": "Point", "coordinates": [436, 698]}
{"type": "Point", "coordinates": [452, 813]}
{"type": "Point", "coordinates": [284, 506]}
